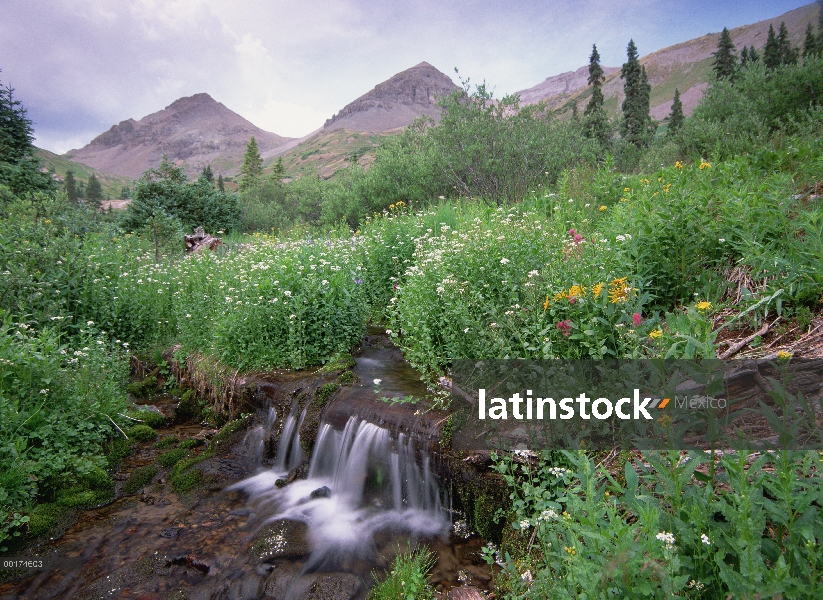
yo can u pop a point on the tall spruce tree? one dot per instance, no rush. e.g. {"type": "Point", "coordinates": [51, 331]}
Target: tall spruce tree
{"type": "Point", "coordinates": [636, 124]}
{"type": "Point", "coordinates": [788, 54]}
{"type": "Point", "coordinates": [809, 43]}
{"type": "Point", "coordinates": [771, 53]}
{"type": "Point", "coordinates": [70, 186]}
{"type": "Point", "coordinates": [220, 185]}
{"type": "Point", "coordinates": [206, 174]}
{"type": "Point", "coordinates": [596, 120]}
{"type": "Point", "coordinates": [744, 55]}
{"type": "Point", "coordinates": [252, 165]}
{"type": "Point", "coordinates": [94, 193]}
{"type": "Point", "coordinates": [676, 118]}
{"type": "Point", "coordinates": [725, 60]}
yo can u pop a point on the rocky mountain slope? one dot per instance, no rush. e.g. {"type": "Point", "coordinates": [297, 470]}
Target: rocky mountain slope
{"type": "Point", "coordinates": [396, 102]}
{"type": "Point", "coordinates": [686, 66]}
{"type": "Point", "coordinates": [193, 131]}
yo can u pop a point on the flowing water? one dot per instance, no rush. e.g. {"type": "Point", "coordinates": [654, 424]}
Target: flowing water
{"type": "Point", "coordinates": [272, 524]}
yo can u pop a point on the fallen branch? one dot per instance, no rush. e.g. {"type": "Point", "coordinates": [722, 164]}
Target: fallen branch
{"type": "Point", "coordinates": [737, 346]}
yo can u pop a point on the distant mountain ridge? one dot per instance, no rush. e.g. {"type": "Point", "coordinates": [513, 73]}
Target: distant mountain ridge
{"type": "Point", "coordinates": [193, 132]}
{"type": "Point", "coordinates": [396, 102]}
{"type": "Point", "coordinates": [686, 66]}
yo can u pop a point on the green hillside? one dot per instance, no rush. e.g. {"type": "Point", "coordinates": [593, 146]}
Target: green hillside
{"type": "Point", "coordinates": [112, 184]}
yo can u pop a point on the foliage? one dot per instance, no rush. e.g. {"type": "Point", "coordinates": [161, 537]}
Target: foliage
{"type": "Point", "coordinates": [676, 118]}
{"type": "Point", "coordinates": [163, 195]}
{"type": "Point", "coordinates": [408, 579]}
{"type": "Point", "coordinates": [663, 527]}
{"type": "Point", "coordinates": [636, 126]}
{"type": "Point", "coordinates": [596, 120]}
{"type": "Point", "coordinates": [725, 60]}
{"type": "Point", "coordinates": [252, 167]}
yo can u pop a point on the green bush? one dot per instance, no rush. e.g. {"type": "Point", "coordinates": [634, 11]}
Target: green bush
{"type": "Point", "coordinates": [150, 418]}
{"type": "Point", "coordinates": [409, 577]}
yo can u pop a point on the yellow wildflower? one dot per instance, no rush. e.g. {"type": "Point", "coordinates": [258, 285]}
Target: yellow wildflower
{"type": "Point", "coordinates": [602, 208]}
{"type": "Point", "coordinates": [570, 551]}
{"type": "Point", "coordinates": [705, 165]}
{"type": "Point", "coordinates": [678, 165]}
{"type": "Point", "coordinates": [783, 355]}
{"type": "Point", "coordinates": [546, 303]}
{"type": "Point", "coordinates": [704, 305]}
{"type": "Point", "coordinates": [576, 291]}
{"type": "Point", "coordinates": [624, 200]}
{"type": "Point", "coordinates": [628, 189]}
{"type": "Point", "coordinates": [596, 289]}
{"type": "Point", "coordinates": [656, 334]}
{"type": "Point", "coordinates": [659, 179]}
{"type": "Point", "coordinates": [618, 290]}
{"type": "Point", "coordinates": [561, 296]}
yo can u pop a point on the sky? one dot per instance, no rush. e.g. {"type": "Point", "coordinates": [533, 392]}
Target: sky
{"type": "Point", "coordinates": [81, 66]}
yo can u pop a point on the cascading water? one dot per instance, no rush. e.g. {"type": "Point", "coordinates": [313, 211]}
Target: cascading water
{"type": "Point", "coordinates": [289, 453]}
{"type": "Point", "coordinates": [362, 482]}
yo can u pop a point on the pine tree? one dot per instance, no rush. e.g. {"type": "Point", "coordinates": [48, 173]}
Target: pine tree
{"type": "Point", "coordinates": [771, 53]}
{"type": "Point", "coordinates": [636, 124]}
{"type": "Point", "coordinates": [676, 118]}
{"type": "Point", "coordinates": [788, 54]}
{"type": "Point", "coordinates": [754, 56]}
{"type": "Point", "coordinates": [252, 165]}
{"type": "Point", "coordinates": [809, 43]}
{"type": "Point", "coordinates": [220, 185]}
{"type": "Point", "coordinates": [70, 185]}
{"type": "Point", "coordinates": [744, 55]}
{"type": "Point", "coordinates": [16, 132]}
{"type": "Point", "coordinates": [596, 121]}
{"type": "Point", "coordinates": [279, 171]}
{"type": "Point", "coordinates": [94, 193]}
{"type": "Point", "coordinates": [206, 174]}
{"type": "Point", "coordinates": [575, 116]}
{"type": "Point", "coordinates": [81, 190]}
{"type": "Point", "coordinates": [725, 60]}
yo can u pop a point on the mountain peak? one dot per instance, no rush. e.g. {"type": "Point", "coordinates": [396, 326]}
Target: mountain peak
{"type": "Point", "coordinates": [396, 102]}
{"type": "Point", "coordinates": [193, 131]}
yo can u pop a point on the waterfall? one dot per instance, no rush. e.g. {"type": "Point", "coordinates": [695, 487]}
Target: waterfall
{"type": "Point", "coordinates": [378, 482]}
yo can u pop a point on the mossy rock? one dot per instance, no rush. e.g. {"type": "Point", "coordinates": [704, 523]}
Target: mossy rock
{"type": "Point", "coordinates": [77, 497]}
{"type": "Point", "coordinates": [324, 392]}
{"type": "Point", "coordinates": [484, 511]}
{"type": "Point", "coordinates": [96, 479]}
{"type": "Point", "coordinates": [186, 482]}
{"type": "Point", "coordinates": [116, 450]}
{"type": "Point", "coordinates": [189, 407]}
{"type": "Point", "coordinates": [152, 418]}
{"type": "Point", "coordinates": [167, 442]}
{"type": "Point", "coordinates": [191, 443]}
{"type": "Point", "coordinates": [141, 433]}
{"type": "Point", "coordinates": [347, 378]}
{"type": "Point", "coordinates": [44, 518]}
{"type": "Point", "coordinates": [172, 457]}
{"type": "Point", "coordinates": [339, 362]}
{"type": "Point", "coordinates": [232, 427]}
{"type": "Point", "coordinates": [143, 388]}
{"type": "Point", "coordinates": [139, 478]}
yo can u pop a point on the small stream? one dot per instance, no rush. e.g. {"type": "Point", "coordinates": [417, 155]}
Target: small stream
{"type": "Point", "coordinates": [272, 522]}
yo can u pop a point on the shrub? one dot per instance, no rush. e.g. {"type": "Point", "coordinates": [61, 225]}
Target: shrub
{"type": "Point", "coordinates": [141, 433]}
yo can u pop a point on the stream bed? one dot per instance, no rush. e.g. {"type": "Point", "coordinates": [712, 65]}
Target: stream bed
{"type": "Point", "coordinates": [276, 517]}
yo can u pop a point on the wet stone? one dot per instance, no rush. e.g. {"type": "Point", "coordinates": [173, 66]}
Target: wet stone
{"type": "Point", "coordinates": [171, 532]}
{"type": "Point", "coordinates": [323, 492]}
{"type": "Point", "coordinates": [465, 592]}
{"type": "Point", "coordinates": [281, 539]}
{"type": "Point", "coordinates": [333, 586]}
{"type": "Point", "coordinates": [280, 579]}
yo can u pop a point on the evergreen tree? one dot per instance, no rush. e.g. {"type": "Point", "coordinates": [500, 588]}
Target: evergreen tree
{"type": "Point", "coordinates": [94, 193]}
{"type": "Point", "coordinates": [573, 105]}
{"type": "Point", "coordinates": [20, 169]}
{"type": "Point", "coordinates": [754, 56]}
{"type": "Point", "coordinates": [636, 124]}
{"type": "Point", "coordinates": [206, 174]}
{"type": "Point", "coordinates": [252, 165]}
{"type": "Point", "coordinates": [81, 190]}
{"type": "Point", "coordinates": [810, 43]}
{"type": "Point", "coordinates": [279, 171]}
{"type": "Point", "coordinates": [788, 54]}
{"type": "Point", "coordinates": [596, 121]}
{"type": "Point", "coordinates": [771, 53]}
{"type": "Point", "coordinates": [70, 185]}
{"type": "Point", "coordinates": [676, 119]}
{"type": "Point", "coordinates": [220, 185]}
{"type": "Point", "coordinates": [744, 55]}
{"type": "Point", "coordinates": [725, 60]}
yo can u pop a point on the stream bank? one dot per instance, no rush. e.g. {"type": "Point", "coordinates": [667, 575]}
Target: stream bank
{"type": "Point", "coordinates": [307, 495]}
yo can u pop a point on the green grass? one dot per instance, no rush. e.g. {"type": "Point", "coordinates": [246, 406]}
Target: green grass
{"type": "Point", "coordinates": [408, 578]}
{"type": "Point", "coordinates": [112, 184]}
{"type": "Point", "coordinates": [139, 479]}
